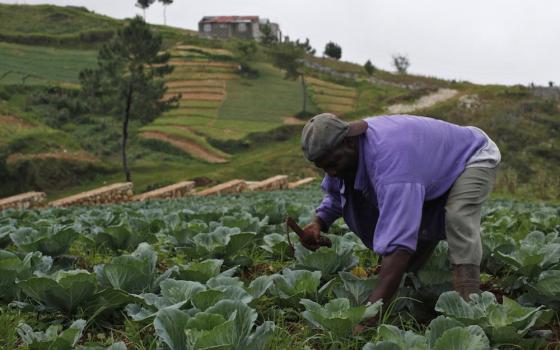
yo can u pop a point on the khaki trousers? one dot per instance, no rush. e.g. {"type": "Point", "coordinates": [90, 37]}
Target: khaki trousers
{"type": "Point", "coordinates": [462, 214]}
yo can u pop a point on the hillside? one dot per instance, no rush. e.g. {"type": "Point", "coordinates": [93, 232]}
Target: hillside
{"type": "Point", "coordinates": [69, 26]}
{"type": "Point", "coordinates": [227, 125]}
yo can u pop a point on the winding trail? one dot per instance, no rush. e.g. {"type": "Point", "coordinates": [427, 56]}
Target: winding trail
{"type": "Point", "coordinates": [423, 102]}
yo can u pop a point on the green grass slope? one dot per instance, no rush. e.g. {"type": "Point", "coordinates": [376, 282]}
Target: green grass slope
{"type": "Point", "coordinates": [268, 99]}
{"type": "Point", "coordinates": [525, 126]}
{"type": "Point", "coordinates": [24, 64]}
{"type": "Point", "coordinates": [53, 20]}
{"type": "Point", "coordinates": [68, 26]}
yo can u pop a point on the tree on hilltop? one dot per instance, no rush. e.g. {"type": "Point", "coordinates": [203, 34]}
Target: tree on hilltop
{"type": "Point", "coordinates": [144, 4]}
{"type": "Point", "coordinates": [369, 67]}
{"type": "Point", "coordinates": [288, 56]}
{"type": "Point", "coordinates": [333, 50]}
{"type": "Point", "coordinates": [401, 63]}
{"type": "Point", "coordinates": [127, 81]}
{"type": "Point", "coordinates": [267, 38]}
{"type": "Point", "coordinates": [165, 3]}
{"type": "Point", "coordinates": [306, 46]}
{"type": "Point", "coordinates": [246, 52]}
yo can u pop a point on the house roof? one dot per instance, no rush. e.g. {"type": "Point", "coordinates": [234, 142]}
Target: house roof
{"type": "Point", "coordinates": [229, 19]}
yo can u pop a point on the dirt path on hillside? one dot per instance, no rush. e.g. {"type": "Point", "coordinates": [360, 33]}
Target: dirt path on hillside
{"type": "Point", "coordinates": [187, 146]}
{"type": "Point", "coordinates": [423, 102]}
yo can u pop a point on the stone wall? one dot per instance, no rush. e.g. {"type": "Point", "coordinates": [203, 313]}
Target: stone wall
{"type": "Point", "coordinates": [301, 182]}
{"type": "Point", "coordinates": [178, 190]}
{"type": "Point", "coordinates": [278, 182]}
{"type": "Point", "coordinates": [23, 201]}
{"type": "Point", "coordinates": [115, 193]}
{"type": "Point", "coordinates": [233, 186]}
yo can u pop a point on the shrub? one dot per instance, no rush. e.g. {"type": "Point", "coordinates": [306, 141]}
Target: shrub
{"type": "Point", "coordinates": [333, 50]}
{"type": "Point", "coordinates": [369, 67]}
{"type": "Point", "coordinates": [401, 63]}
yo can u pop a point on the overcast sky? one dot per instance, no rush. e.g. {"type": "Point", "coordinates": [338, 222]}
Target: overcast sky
{"type": "Point", "coordinates": [483, 41]}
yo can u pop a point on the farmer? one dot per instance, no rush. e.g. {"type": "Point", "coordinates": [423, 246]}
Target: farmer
{"type": "Point", "coordinates": [402, 183]}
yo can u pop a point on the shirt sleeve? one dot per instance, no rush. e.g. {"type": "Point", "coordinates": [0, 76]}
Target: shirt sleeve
{"type": "Point", "coordinates": [400, 214]}
{"type": "Point", "coordinates": [330, 208]}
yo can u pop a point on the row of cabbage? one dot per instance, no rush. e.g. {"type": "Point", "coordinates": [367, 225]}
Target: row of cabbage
{"type": "Point", "coordinates": [201, 302]}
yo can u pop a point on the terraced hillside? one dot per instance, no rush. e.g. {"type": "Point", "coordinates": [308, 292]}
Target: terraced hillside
{"type": "Point", "coordinates": [331, 97]}
{"type": "Point", "coordinates": [201, 82]}
{"type": "Point", "coordinates": [216, 104]}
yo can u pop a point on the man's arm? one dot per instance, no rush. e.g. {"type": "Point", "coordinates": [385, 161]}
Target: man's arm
{"type": "Point", "coordinates": [395, 237]}
{"type": "Point", "coordinates": [393, 267]}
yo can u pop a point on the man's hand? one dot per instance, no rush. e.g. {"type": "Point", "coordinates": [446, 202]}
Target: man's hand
{"type": "Point", "coordinates": [311, 235]}
{"type": "Point", "coordinates": [370, 322]}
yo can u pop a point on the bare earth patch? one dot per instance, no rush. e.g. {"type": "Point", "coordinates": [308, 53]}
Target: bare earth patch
{"type": "Point", "coordinates": [293, 121]}
{"type": "Point", "coordinates": [196, 83]}
{"type": "Point", "coordinates": [196, 90]}
{"type": "Point", "coordinates": [186, 146]}
{"type": "Point", "coordinates": [7, 120]}
{"type": "Point", "coordinates": [198, 96]}
{"type": "Point", "coordinates": [204, 64]}
{"type": "Point", "coordinates": [201, 76]}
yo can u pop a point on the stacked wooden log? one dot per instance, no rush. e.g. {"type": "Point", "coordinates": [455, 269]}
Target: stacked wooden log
{"type": "Point", "coordinates": [112, 194]}
{"type": "Point", "coordinates": [178, 190]}
{"type": "Point", "coordinates": [23, 201]}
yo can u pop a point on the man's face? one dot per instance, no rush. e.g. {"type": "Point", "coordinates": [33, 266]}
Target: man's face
{"type": "Point", "coordinates": [341, 162]}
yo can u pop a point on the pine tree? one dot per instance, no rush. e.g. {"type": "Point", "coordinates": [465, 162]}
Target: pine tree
{"type": "Point", "coordinates": [369, 67]}
{"type": "Point", "coordinates": [127, 81]}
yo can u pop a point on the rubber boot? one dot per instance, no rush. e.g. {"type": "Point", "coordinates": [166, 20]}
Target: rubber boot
{"type": "Point", "coordinates": [466, 280]}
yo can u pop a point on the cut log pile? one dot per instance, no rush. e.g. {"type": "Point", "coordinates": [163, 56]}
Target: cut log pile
{"type": "Point", "coordinates": [123, 192]}
{"type": "Point", "coordinates": [23, 201]}
{"type": "Point", "coordinates": [233, 186]}
{"type": "Point", "coordinates": [112, 194]}
{"type": "Point", "coordinates": [178, 190]}
{"type": "Point", "coordinates": [279, 182]}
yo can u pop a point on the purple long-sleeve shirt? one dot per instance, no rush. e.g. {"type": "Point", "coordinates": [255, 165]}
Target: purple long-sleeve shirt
{"type": "Point", "coordinates": [404, 161]}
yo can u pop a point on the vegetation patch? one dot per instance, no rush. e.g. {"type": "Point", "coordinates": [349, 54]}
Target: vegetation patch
{"type": "Point", "coordinates": [214, 271]}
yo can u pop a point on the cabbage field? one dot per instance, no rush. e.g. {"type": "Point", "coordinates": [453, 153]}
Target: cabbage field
{"type": "Point", "coordinates": [221, 273]}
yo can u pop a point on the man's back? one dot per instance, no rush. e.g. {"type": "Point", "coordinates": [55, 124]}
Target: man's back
{"type": "Point", "coordinates": [410, 149]}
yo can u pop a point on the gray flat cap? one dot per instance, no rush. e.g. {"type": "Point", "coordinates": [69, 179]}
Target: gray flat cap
{"type": "Point", "coordinates": [325, 131]}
